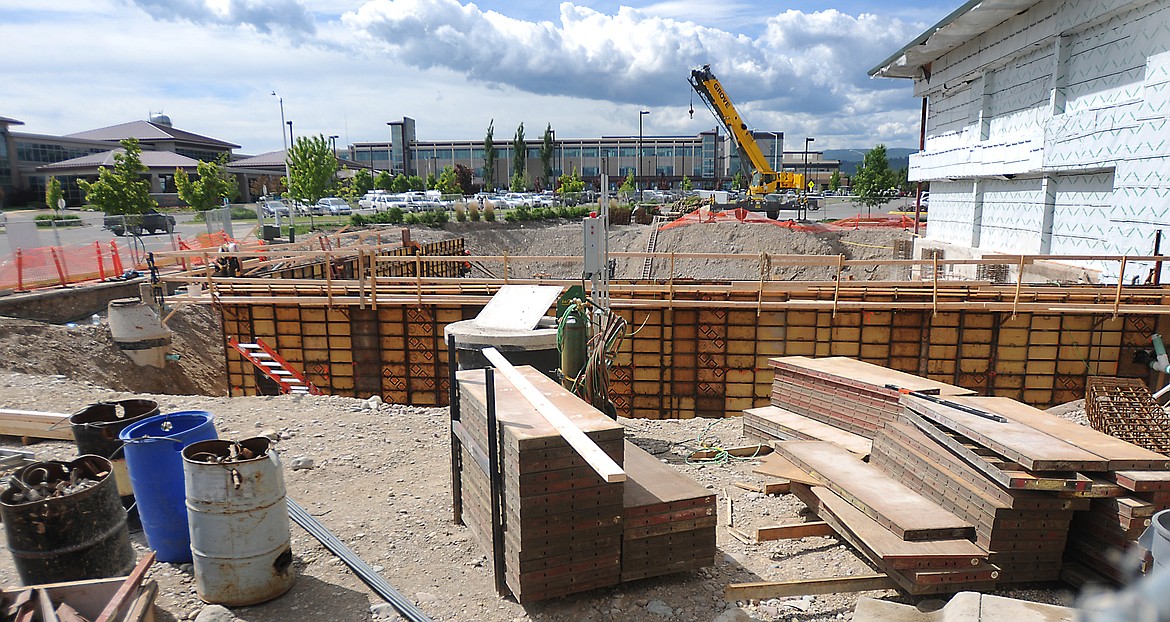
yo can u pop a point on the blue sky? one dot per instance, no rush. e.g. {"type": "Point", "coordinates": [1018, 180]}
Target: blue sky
{"type": "Point", "coordinates": [347, 67]}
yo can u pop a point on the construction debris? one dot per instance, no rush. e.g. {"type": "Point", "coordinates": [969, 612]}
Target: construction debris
{"type": "Point", "coordinates": [1124, 408]}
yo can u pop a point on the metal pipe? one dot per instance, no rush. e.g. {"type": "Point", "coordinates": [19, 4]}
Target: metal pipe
{"type": "Point", "coordinates": [1160, 350]}
{"type": "Point", "coordinates": [404, 607]}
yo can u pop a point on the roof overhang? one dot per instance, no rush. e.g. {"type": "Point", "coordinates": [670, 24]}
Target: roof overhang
{"type": "Point", "coordinates": [970, 20]}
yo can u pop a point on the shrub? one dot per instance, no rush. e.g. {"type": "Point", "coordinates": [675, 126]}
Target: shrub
{"type": "Point", "coordinates": [460, 213]}
{"type": "Point", "coordinates": [563, 212]}
{"type": "Point", "coordinates": [394, 216]}
{"type": "Point", "coordinates": [473, 211]}
{"type": "Point", "coordinates": [489, 212]}
{"type": "Point", "coordinates": [358, 220]}
{"type": "Point", "coordinates": [66, 220]}
{"type": "Point", "coordinates": [410, 219]}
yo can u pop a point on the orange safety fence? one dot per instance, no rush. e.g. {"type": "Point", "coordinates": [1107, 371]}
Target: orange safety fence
{"type": "Point", "coordinates": [705, 215]}
{"type": "Point", "coordinates": [27, 269]}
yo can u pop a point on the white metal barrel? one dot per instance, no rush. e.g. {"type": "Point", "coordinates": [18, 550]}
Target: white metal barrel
{"type": "Point", "coordinates": [238, 520]}
{"type": "Point", "coordinates": [139, 331]}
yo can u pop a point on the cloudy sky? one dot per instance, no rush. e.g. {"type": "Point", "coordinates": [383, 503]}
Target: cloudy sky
{"type": "Point", "coordinates": [346, 67]}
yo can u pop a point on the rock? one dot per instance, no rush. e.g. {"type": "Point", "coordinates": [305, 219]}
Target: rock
{"type": "Point", "coordinates": [800, 604]}
{"type": "Point", "coordinates": [383, 610]}
{"type": "Point", "coordinates": [770, 610]}
{"type": "Point", "coordinates": [659, 608]}
{"type": "Point", "coordinates": [215, 613]}
{"type": "Point", "coordinates": [733, 615]}
{"type": "Point", "coordinates": [270, 434]}
{"type": "Point", "coordinates": [374, 402]}
{"type": "Point", "coordinates": [301, 463]}
{"type": "Point", "coordinates": [425, 597]}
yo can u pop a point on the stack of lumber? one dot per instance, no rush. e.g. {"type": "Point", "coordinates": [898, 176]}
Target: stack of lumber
{"type": "Point", "coordinates": [1047, 498]}
{"type": "Point", "coordinates": [35, 424]}
{"type": "Point", "coordinates": [924, 548]}
{"type": "Point", "coordinates": [562, 521]}
{"type": "Point", "coordinates": [773, 423]}
{"type": "Point", "coordinates": [846, 393]}
{"type": "Point", "coordinates": [669, 519]}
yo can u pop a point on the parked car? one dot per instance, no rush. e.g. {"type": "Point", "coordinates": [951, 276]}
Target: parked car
{"type": "Point", "coordinates": [367, 202]}
{"type": "Point", "coordinates": [151, 221]}
{"type": "Point", "coordinates": [272, 208]}
{"type": "Point", "coordinates": [333, 206]}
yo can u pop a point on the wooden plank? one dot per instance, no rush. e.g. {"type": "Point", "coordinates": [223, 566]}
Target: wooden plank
{"type": "Point", "coordinates": [1031, 448]}
{"type": "Point", "coordinates": [801, 587]}
{"type": "Point", "coordinates": [776, 465]}
{"type": "Point", "coordinates": [605, 466]}
{"type": "Point", "coordinates": [811, 429]}
{"type": "Point", "coordinates": [794, 530]}
{"type": "Point", "coordinates": [747, 451]}
{"type": "Point", "coordinates": [889, 548]}
{"type": "Point", "coordinates": [1119, 454]}
{"type": "Point", "coordinates": [869, 373]}
{"type": "Point", "coordinates": [771, 488]}
{"type": "Point", "coordinates": [908, 514]}
{"type": "Point", "coordinates": [651, 482]}
{"type": "Point", "coordinates": [128, 590]}
{"type": "Point", "coordinates": [35, 424]}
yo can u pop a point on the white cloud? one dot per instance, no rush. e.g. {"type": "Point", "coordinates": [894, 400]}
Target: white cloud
{"type": "Point", "coordinates": [288, 16]}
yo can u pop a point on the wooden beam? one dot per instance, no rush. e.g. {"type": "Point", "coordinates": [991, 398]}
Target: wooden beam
{"type": "Point", "coordinates": [794, 531]}
{"type": "Point", "coordinates": [609, 470]}
{"type": "Point", "coordinates": [771, 488]}
{"type": "Point", "coordinates": [128, 590]}
{"type": "Point", "coordinates": [35, 424]}
{"type": "Point", "coordinates": [802, 587]}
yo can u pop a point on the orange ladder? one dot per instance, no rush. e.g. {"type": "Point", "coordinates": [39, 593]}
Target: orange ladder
{"type": "Point", "coordinates": [275, 367]}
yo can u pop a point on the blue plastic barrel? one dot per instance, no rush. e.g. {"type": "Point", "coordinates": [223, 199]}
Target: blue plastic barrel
{"type": "Point", "coordinates": [154, 459]}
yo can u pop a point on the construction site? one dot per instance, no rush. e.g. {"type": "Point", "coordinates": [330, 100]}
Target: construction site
{"type": "Point", "coordinates": [793, 423]}
{"type": "Point", "coordinates": [707, 412]}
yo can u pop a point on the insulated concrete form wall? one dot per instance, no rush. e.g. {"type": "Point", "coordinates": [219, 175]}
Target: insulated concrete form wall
{"type": "Point", "coordinates": [1051, 133]}
{"type": "Point", "coordinates": [708, 362]}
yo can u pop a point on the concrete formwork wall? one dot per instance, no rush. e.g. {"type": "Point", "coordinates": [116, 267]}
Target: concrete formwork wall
{"type": "Point", "coordinates": [1073, 97]}
{"type": "Point", "coordinates": [684, 363]}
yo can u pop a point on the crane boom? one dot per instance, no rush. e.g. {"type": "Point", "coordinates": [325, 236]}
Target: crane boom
{"type": "Point", "coordinates": [764, 180]}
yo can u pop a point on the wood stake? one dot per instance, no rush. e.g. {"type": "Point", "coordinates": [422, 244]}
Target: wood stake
{"type": "Point", "coordinates": [793, 531]}
{"type": "Point", "coordinates": [802, 587]}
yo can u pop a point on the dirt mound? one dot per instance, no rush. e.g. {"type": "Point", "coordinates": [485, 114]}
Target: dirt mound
{"type": "Point", "coordinates": [86, 353]}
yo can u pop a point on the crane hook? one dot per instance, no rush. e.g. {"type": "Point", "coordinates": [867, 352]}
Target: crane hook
{"type": "Point", "coordinates": [692, 110]}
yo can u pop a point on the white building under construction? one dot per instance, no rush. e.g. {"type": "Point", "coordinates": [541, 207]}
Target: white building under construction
{"type": "Point", "coordinates": [1046, 130]}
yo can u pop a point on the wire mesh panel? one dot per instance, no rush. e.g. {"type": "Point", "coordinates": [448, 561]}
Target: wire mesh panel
{"type": "Point", "coordinates": [1124, 408]}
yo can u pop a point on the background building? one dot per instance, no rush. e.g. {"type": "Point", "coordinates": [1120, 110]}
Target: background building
{"type": "Point", "coordinates": [1045, 129]}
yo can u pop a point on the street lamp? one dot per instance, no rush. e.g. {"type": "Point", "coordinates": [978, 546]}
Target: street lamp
{"type": "Point", "coordinates": [290, 135]}
{"type": "Point", "coordinates": [806, 142]}
{"type": "Point", "coordinates": [282, 140]}
{"type": "Point", "coordinates": [333, 145]}
{"type": "Point", "coordinates": [638, 164]}
{"type": "Point", "coordinates": [389, 147]}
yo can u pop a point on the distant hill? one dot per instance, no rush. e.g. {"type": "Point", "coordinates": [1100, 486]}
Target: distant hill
{"type": "Point", "coordinates": [898, 157]}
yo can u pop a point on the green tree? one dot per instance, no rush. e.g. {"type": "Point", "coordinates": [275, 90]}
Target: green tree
{"type": "Point", "coordinates": [53, 194]}
{"type": "Point", "coordinates": [121, 190]}
{"type": "Point", "coordinates": [517, 184]}
{"type": "Point", "coordinates": [571, 182]}
{"type": "Point", "coordinates": [362, 182]}
{"type": "Point", "coordinates": [738, 181]}
{"type": "Point", "coordinates": [432, 181]}
{"type": "Point", "coordinates": [400, 184]}
{"type": "Point", "coordinates": [835, 181]}
{"type": "Point", "coordinates": [547, 147]}
{"type": "Point", "coordinates": [687, 185]}
{"type": "Point", "coordinates": [627, 186]}
{"type": "Point", "coordinates": [214, 184]}
{"type": "Point", "coordinates": [384, 181]}
{"type": "Point", "coordinates": [447, 183]}
{"type": "Point", "coordinates": [875, 184]}
{"type": "Point", "coordinates": [519, 155]}
{"type": "Point", "coordinates": [414, 182]}
{"type": "Point", "coordinates": [463, 177]}
{"type": "Point", "coordinates": [489, 158]}
{"type": "Point", "coordinates": [312, 166]}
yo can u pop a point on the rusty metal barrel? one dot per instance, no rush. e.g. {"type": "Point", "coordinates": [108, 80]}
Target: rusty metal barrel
{"type": "Point", "coordinates": [67, 536]}
{"type": "Point", "coordinates": [238, 520]}
{"type": "Point", "coordinates": [96, 428]}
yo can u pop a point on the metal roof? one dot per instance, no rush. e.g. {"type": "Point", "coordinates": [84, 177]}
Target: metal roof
{"type": "Point", "coordinates": [153, 160]}
{"type": "Point", "coordinates": [145, 131]}
{"type": "Point", "coordinates": [10, 121]}
{"type": "Point", "coordinates": [970, 20]}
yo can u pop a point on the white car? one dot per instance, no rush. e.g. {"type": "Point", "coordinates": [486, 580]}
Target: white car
{"type": "Point", "coordinates": [333, 206]}
{"type": "Point", "coordinates": [367, 202]}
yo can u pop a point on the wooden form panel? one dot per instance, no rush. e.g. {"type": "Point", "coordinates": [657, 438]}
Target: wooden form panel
{"type": "Point", "coordinates": [687, 362]}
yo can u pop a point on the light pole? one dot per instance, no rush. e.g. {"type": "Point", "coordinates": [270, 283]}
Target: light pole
{"type": "Point", "coordinates": [806, 182]}
{"type": "Point", "coordinates": [282, 140]}
{"type": "Point", "coordinates": [638, 164]}
{"type": "Point", "coordinates": [389, 147]}
{"type": "Point", "coordinates": [333, 144]}
{"type": "Point", "coordinates": [291, 141]}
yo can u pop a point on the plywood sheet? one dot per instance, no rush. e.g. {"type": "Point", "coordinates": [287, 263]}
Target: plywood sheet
{"type": "Point", "coordinates": [517, 307]}
{"type": "Point", "coordinates": [903, 511]}
{"type": "Point", "coordinates": [869, 373]}
{"type": "Point", "coordinates": [1119, 454]}
{"type": "Point", "coordinates": [810, 428]}
{"type": "Point", "coordinates": [1031, 448]}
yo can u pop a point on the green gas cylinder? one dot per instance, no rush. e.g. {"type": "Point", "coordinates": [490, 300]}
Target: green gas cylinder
{"type": "Point", "coordinates": [571, 343]}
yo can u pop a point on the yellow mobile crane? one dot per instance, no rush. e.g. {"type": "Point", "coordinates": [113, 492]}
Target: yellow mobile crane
{"type": "Point", "coordinates": [764, 180]}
